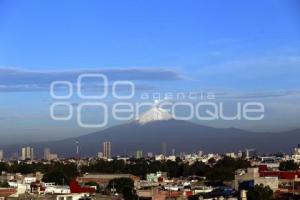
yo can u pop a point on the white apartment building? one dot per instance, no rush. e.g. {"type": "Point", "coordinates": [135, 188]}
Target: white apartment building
{"type": "Point", "coordinates": [27, 153]}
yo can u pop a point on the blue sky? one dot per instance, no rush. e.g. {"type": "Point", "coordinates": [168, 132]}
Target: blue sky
{"type": "Point", "coordinates": [243, 49]}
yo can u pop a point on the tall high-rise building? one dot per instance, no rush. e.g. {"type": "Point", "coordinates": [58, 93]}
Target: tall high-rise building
{"type": "Point", "coordinates": [139, 154]}
{"type": "Point", "coordinates": [250, 153]}
{"type": "Point", "coordinates": [1, 155]}
{"type": "Point", "coordinates": [77, 150]}
{"type": "Point", "coordinates": [173, 152]}
{"type": "Point", "coordinates": [27, 153]}
{"type": "Point", "coordinates": [107, 149]}
{"type": "Point", "coordinates": [47, 154]}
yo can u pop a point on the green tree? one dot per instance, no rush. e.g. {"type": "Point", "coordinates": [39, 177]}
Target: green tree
{"type": "Point", "coordinates": [220, 174]}
{"type": "Point", "coordinates": [224, 169]}
{"type": "Point", "coordinates": [24, 168]}
{"type": "Point", "coordinates": [288, 165]}
{"type": "Point", "coordinates": [56, 176]}
{"type": "Point", "coordinates": [259, 192]}
{"type": "Point", "coordinates": [4, 184]}
{"type": "Point", "coordinates": [60, 173]}
{"type": "Point", "coordinates": [124, 186]}
{"type": "Point", "coordinates": [3, 167]}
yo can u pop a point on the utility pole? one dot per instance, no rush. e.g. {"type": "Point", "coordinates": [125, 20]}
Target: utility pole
{"type": "Point", "coordinates": [294, 187]}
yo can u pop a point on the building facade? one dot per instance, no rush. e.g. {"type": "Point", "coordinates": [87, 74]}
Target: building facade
{"type": "Point", "coordinates": [107, 150]}
{"type": "Point", "coordinates": [27, 153]}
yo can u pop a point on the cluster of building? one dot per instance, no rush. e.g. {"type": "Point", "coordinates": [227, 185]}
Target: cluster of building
{"type": "Point", "coordinates": [31, 186]}
{"type": "Point", "coordinates": [27, 153]}
{"type": "Point", "coordinates": [264, 171]}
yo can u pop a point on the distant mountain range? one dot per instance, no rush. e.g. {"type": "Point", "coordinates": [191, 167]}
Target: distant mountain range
{"type": "Point", "coordinates": [183, 136]}
{"type": "Point", "coordinates": [156, 127]}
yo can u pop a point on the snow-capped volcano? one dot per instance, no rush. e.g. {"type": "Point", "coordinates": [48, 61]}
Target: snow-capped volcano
{"type": "Point", "coordinates": [154, 114]}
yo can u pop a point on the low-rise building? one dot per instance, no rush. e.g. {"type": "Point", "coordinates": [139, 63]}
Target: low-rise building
{"type": "Point", "coordinates": [103, 179]}
{"type": "Point", "coordinates": [252, 176]}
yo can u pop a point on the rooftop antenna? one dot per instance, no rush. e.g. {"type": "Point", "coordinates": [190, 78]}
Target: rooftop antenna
{"type": "Point", "coordinates": [77, 149]}
{"type": "Point", "coordinates": [77, 154]}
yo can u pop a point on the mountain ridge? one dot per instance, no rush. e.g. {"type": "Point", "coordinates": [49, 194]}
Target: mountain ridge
{"type": "Point", "coordinates": [183, 136]}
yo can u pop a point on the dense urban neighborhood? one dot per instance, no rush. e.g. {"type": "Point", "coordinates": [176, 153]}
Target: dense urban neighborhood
{"type": "Point", "coordinates": [242, 175]}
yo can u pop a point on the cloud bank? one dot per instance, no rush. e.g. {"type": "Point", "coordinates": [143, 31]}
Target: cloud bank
{"type": "Point", "coordinates": [18, 80]}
